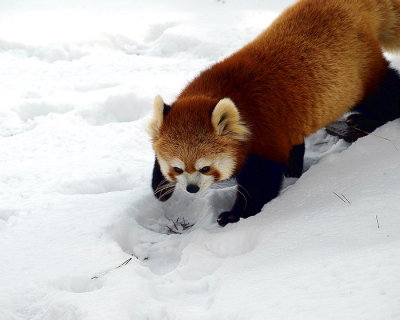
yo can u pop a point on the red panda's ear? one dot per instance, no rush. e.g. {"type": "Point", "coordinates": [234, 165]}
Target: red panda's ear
{"type": "Point", "coordinates": [158, 116]}
{"type": "Point", "coordinates": [227, 121]}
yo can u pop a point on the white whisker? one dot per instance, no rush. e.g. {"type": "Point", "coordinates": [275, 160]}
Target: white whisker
{"type": "Point", "coordinates": [161, 182]}
{"type": "Point", "coordinates": [244, 189]}
{"type": "Point", "coordinates": [162, 187]}
{"type": "Point", "coordinates": [244, 197]}
{"type": "Point", "coordinates": [224, 184]}
{"type": "Point", "coordinates": [167, 192]}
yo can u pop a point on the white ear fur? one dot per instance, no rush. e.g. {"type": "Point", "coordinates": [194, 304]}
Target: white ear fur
{"type": "Point", "coordinates": [227, 121]}
{"type": "Point", "coordinates": [158, 116]}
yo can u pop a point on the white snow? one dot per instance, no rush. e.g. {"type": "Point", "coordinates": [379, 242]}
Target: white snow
{"type": "Point", "coordinates": [77, 81]}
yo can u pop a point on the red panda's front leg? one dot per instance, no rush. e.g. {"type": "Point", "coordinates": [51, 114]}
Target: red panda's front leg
{"type": "Point", "coordinates": [296, 161]}
{"type": "Point", "coordinates": [162, 188]}
{"type": "Point", "coordinates": [259, 181]}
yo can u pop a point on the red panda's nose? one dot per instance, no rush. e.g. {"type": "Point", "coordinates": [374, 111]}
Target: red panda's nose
{"type": "Point", "coordinates": [192, 188]}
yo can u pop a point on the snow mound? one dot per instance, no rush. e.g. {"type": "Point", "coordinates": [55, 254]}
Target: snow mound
{"type": "Point", "coordinates": [50, 54]}
{"type": "Point", "coordinates": [30, 110]}
{"type": "Point", "coordinates": [123, 107]}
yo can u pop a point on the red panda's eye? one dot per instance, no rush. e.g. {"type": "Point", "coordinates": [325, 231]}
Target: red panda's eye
{"type": "Point", "coordinates": [178, 170]}
{"type": "Point", "coordinates": [205, 169]}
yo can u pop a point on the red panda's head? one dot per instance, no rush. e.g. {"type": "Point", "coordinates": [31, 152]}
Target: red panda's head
{"type": "Point", "coordinates": [197, 141]}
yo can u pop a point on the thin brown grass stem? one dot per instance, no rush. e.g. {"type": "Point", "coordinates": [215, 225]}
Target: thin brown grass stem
{"type": "Point", "coordinates": [377, 221]}
{"type": "Point", "coordinates": [347, 200]}
{"type": "Point", "coordinates": [107, 271]}
{"type": "Point", "coordinates": [343, 198]}
{"type": "Point", "coordinates": [375, 135]}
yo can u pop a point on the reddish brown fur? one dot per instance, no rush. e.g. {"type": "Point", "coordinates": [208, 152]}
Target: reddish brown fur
{"type": "Point", "coordinates": [314, 63]}
{"type": "Point", "coordinates": [216, 174]}
{"type": "Point", "coordinates": [172, 174]}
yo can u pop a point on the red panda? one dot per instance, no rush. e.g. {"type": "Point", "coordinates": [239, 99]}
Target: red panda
{"type": "Point", "coordinates": [247, 116]}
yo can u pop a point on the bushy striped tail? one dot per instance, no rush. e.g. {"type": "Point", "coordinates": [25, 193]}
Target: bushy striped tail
{"type": "Point", "coordinates": [389, 29]}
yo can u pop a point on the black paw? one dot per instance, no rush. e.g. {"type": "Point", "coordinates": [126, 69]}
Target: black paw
{"type": "Point", "coordinates": [227, 217]}
{"type": "Point", "coordinates": [345, 131]}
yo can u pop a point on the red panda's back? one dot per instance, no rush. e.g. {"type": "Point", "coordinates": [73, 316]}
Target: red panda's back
{"type": "Point", "coordinates": [314, 63]}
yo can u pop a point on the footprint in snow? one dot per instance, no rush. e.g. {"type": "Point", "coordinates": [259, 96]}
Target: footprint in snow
{"type": "Point", "coordinates": [78, 284]}
{"type": "Point", "coordinates": [7, 217]}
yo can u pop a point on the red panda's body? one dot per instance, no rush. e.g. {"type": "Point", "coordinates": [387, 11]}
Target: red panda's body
{"type": "Point", "coordinates": [314, 63]}
{"type": "Point", "coordinates": [319, 59]}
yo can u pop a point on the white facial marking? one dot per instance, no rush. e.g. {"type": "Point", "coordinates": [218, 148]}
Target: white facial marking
{"type": "Point", "coordinates": [202, 162]}
{"type": "Point", "coordinates": [225, 166]}
{"type": "Point", "coordinates": [177, 163]}
{"type": "Point", "coordinates": [164, 166]}
{"type": "Point", "coordinates": [197, 178]}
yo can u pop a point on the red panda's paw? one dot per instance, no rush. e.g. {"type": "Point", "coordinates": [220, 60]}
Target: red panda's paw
{"type": "Point", "coordinates": [227, 217]}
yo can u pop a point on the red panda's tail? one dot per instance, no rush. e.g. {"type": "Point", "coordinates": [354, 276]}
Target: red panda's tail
{"type": "Point", "coordinates": [389, 24]}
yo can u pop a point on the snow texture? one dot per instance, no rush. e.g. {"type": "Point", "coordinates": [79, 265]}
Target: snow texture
{"type": "Point", "coordinates": [81, 235]}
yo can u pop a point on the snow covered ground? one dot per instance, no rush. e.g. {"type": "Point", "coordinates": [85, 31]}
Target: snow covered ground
{"type": "Point", "coordinates": [81, 236]}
